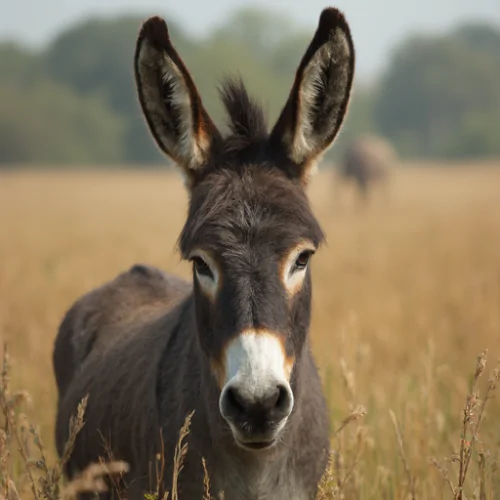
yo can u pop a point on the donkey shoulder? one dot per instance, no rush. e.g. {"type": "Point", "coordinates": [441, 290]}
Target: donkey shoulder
{"type": "Point", "coordinates": [138, 295]}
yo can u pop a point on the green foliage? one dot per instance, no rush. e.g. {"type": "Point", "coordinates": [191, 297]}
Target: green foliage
{"type": "Point", "coordinates": [76, 102]}
{"type": "Point", "coordinates": [440, 96]}
{"type": "Point", "coordinates": [50, 123]}
{"type": "Point", "coordinates": [19, 66]}
{"type": "Point", "coordinates": [96, 58]}
{"type": "Point", "coordinates": [260, 32]}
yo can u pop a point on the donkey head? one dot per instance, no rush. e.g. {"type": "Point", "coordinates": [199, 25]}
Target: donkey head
{"type": "Point", "coordinates": [250, 232]}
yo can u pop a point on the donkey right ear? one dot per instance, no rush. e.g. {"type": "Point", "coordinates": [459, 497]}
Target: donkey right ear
{"type": "Point", "coordinates": [317, 103]}
{"type": "Point", "coordinates": [169, 100]}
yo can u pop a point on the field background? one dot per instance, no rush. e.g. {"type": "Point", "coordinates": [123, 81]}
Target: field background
{"type": "Point", "coordinates": [406, 295]}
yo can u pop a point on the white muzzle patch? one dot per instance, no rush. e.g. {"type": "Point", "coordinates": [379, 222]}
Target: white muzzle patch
{"type": "Point", "coordinates": [255, 363]}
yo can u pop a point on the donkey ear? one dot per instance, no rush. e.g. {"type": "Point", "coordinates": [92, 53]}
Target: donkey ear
{"type": "Point", "coordinates": [169, 100]}
{"type": "Point", "coordinates": [318, 101]}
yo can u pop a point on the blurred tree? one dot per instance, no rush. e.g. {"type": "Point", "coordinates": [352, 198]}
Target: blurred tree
{"type": "Point", "coordinates": [19, 65]}
{"type": "Point", "coordinates": [285, 56]}
{"type": "Point", "coordinates": [259, 31]}
{"type": "Point", "coordinates": [49, 123]}
{"type": "Point", "coordinates": [480, 37]}
{"type": "Point", "coordinates": [440, 96]}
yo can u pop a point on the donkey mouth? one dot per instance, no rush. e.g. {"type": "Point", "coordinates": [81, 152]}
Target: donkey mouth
{"type": "Point", "coordinates": [256, 445]}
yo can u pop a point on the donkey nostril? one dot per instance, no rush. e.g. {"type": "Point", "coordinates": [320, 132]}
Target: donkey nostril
{"type": "Point", "coordinates": [279, 399]}
{"type": "Point", "coordinates": [282, 398]}
{"type": "Point", "coordinates": [235, 401]}
{"type": "Point", "coordinates": [270, 401]}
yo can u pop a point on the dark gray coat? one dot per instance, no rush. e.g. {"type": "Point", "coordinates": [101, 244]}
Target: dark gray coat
{"type": "Point", "coordinates": [234, 345]}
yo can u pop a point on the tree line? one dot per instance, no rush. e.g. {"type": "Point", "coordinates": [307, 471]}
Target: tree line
{"type": "Point", "coordinates": [74, 102]}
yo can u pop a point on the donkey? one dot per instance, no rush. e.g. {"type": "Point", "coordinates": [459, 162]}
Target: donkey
{"type": "Point", "coordinates": [367, 161]}
{"type": "Point", "coordinates": [233, 346]}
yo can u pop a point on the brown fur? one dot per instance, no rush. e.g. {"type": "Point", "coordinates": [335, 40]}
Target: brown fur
{"type": "Point", "coordinates": [147, 347]}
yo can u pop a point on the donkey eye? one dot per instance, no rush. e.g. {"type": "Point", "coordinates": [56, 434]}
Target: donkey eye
{"type": "Point", "coordinates": [202, 268]}
{"type": "Point", "coordinates": [302, 260]}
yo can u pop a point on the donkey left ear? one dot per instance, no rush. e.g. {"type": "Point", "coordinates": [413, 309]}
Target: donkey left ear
{"type": "Point", "coordinates": [170, 101]}
{"type": "Point", "coordinates": [318, 101]}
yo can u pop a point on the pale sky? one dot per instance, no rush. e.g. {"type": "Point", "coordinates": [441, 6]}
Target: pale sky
{"type": "Point", "coordinates": [377, 25]}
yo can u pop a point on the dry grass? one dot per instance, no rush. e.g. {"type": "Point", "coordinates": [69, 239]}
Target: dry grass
{"type": "Point", "coordinates": [406, 295]}
{"type": "Point", "coordinates": [20, 471]}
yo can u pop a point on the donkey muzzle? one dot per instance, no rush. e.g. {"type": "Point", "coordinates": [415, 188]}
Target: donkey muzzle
{"type": "Point", "coordinates": [256, 419]}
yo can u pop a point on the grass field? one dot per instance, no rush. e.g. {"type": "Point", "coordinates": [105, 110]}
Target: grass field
{"type": "Point", "coordinates": [406, 295]}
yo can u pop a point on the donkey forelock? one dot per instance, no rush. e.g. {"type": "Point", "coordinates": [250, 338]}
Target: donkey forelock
{"type": "Point", "coordinates": [246, 118]}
